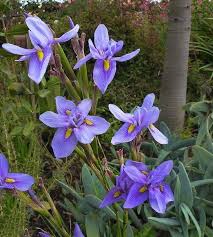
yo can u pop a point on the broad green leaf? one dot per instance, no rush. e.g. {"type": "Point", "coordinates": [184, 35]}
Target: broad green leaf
{"type": "Point", "coordinates": [87, 180]}
{"type": "Point", "coordinates": [203, 156]}
{"type": "Point", "coordinates": [201, 182]}
{"type": "Point", "coordinates": [193, 219]}
{"type": "Point", "coordinates": [95, 203]}
{"type": "Point", "coordinates": [186, 195]}
{"type": "Point", "coordinates": [70, 190]}
{"type": "Point", "coordinates": [185, 213]}
{"type": "Point", "coordinates": [163, 223]}
{"type": "Point", "coordinates": [91, 224]}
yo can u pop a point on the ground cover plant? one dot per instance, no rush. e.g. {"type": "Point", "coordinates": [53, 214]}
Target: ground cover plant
{"type": "Point", "coordinates": [124, 174]}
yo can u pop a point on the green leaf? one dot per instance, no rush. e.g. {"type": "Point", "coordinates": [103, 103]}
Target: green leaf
{"type": "Point", "coordinates": [20, 29]}
{"type": "Point", "coordinates": [87, 180]}
{"type": "Point", "coordinates": [70, 190]}
{"type": "Point", "coordinates": [95, 203]}
{"type": "Point", "coordinates": [201, 182]}
{"type": "Point", "coordinates": [28, 128]}
{"type": "Point", "coordinates": [165, 130]}
{"type": "Point", "coordinates": [192, 218]}
{"type": "Point", "coordinates": [146, 231]}
{"type": "Point", "coordinates": [129, 231]}
{"type": "Point", "coordinates": [91, 224]}
{"type": "Point", "coordinates": [163, 223]}
{"type": "Point", "coordinates": [16, 131]}
{"type": "Point", "coordinates": [43, 93]}
{"type": "Point", "coordinates": [175, 233]}
{"type": "Point", "coordinates": [185, 213]}
{"type": "Point", "coordinates": [203, 156]}
{"type": "Point", "coordinates": [186, 195]}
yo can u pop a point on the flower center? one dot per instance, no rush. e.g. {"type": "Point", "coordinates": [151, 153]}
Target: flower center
{"type": "Point", "coordinates": [68, 133]}
{"type": "Point", "coordinates": [117, 194]}
{"type": "Point", "coordinates": [161, 188]}
{"type": "Point", "coordinates": [144, 172]}
{"type": "Point", "coordinates": [40, 55]}
{"type": "Point", "coordinates": [106, 65]}
{"type": "Point", "coordinates": [131, 128]}
{"type": "Point", "coordinates": [143, 189]}
{"type": "Point", "coordinates": [151, 126]}
{"type": "Point", "coordinates": [68, 112]}
{"type": "Point", "coordinates": [9, 180]}
{"type": "Point", "coordinates": [88, 122]}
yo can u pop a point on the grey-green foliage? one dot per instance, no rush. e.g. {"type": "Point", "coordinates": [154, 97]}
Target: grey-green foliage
{"type": "Point", "coordinates": [84, 205]}
{"type": "Point", "coordinates": [191, 180]}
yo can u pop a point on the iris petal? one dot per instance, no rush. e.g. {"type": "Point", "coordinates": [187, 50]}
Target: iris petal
{"type": "Point", "coordinates": [101, 37]}
{"type": "Point", "coordinates": [54, 120]}
{"type": "Point", "coordinates": [63, 147]}
{"type": "Point", "coordinates": [4, 166]}
{"type": "Point", "coordinates": [157, 135]}
{"type": "Point", "coordinates": [120, 115]}
{"type": "Point", "coordinates": [114, 195]}
{"type": "Point", "coordinates": [103, 78]}
{"type": "Point", "coordinates": [135, 197]}
{"type": "Point", "coordinates": [68, 35]}
{"type": "Point", "coordinates": [126, 56]}
{"type": "Point", "coordinates": [99, 125]}
{"type": "Point", "coordinates": [14, 49]}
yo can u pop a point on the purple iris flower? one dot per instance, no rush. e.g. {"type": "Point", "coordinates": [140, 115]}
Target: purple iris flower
{"type": "Point", "coordinates": [123, 185]}
{"type": "Point", "coordinates": [73, 124]}
{"type": "Point", "coordinates": [143, 117]}
{"type": "Point", "coordinates": [103, 52]}
{"type": "Point", "coordinates": [77, 231]}
{"type": "Point", "coordinates": [19, 181]}
{"type": "Point", "coordinates": [150, 185]}
{"type": "Point", "coordinates": [44, 234]}
{"type": "Point", "coordinates": [42, 39]}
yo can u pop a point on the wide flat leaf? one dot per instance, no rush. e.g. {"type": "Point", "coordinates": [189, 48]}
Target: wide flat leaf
{"type": "Point", "coordinates": [203, 156]}
{"type": "Point", "coordinates": [185, 195]}
{"type": "Point", "coordinates": [91, 224]}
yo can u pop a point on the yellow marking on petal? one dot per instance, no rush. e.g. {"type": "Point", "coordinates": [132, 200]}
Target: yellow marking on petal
{"type": "Point", "coordinates": [151, 126]}
{"type": "Point", "coordinates": [143, 189]}
{"type": "Point", "coordinates": [68, 133]}
{"type": "Point", "coordinates": [106, 65]}
{"type": "Point", "coordinates": [9, 180]}
{"type": "Point", "coordinates": [88, 122]}
{"type": "Point", "coordinates": [161, 188]}
{"type": "Point", "coordinates": [117, 194]}
{"type": "Point", "coordinates": [131, 128]}
{"type": "Point", "coordinates": [68, 112]}
{"type": "Point", "coordinates": [144, 172]}
{"type": "Point", "coordinates": [40, 55]}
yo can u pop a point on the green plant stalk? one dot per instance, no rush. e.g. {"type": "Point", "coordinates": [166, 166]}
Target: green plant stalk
{"type": "Point", "coordinates": [125, 220]}
{"type": "Point", "coordinates": [94, 168]}
{"type": "Point", "coordinates": [65, 63]}
{"type": "Point", "coordinates": [71, 90]}
{"type": "Point", "coordinates": [56, 216]}
{"type": "Point", "coordinates": [134, 153]}
{"type": "Point", "coordinates": [84, 81]}
{"type": "Point", "coordinates": [119, 234]}
{"type": "Point", "coordinates": [95, 100]}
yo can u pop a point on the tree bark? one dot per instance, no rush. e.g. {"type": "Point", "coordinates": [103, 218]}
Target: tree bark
{"type": "Point", "coordinates": [174, 79]}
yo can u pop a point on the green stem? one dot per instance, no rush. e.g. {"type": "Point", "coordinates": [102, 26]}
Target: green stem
{"type": "Point", "coordinates": [72, 91]}
{"type": "Point", "coordinates": [125, 222]}
{"type": "Point", "coordinates": [118, 225]}
{"type": "Point", "coordinates": [134, 153]}
{"type": "Point", "coordinates": [84, 81]}
{"type": "Point", "coordinates": [65, 63]}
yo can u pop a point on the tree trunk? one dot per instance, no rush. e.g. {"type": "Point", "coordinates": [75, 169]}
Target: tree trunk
{"type": "Point", "coordinates": [174, 79]}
